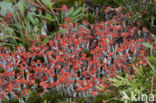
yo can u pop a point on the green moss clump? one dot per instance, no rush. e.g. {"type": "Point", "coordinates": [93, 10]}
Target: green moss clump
{"type": "Point", "coordinates": [34, 97]}
{"type": "Point", "coordinates": [51, 97]}
{"type": "Point", "coordinates": [2, 70]}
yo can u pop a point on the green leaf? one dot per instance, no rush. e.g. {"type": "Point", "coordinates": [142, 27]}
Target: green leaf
{"type": "Point", "coordinates": [100, 87]}
{"type": "Point", "coordinates": [71, 11]}
{"type": "Point", "coordinates": [48, 16]}
{"type": "Point", "coordinates": [153, 36]}
{"type": "Point", "coordinates": [47, 3]}
{"type": "Point", "coordinates": [2, 44]}
{"type": "Point", "coordinates": [20, 5]}
{"type": "Point", "coordinates": [75, 19]}
{"type": "Point", "coordinates": [35, 30]}
{"type": "Point", "coordinates": [62, 30]}
{"type": "Point", "coordinates": [5, 8]}
{"type": "Point", "coordinates": [30, 17]}
{"type": "Point", "coordinates": [147, 45]}
{"type": "Point", "coordinates": [46, 40]}
{"type": "Point", "coordinates": [77, 11]}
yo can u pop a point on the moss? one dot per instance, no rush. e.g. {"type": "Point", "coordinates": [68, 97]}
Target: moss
{"type": "Point", "coordinates": [152, 60]}
{"type": "Point", "coordinates": [11, 101]}
{"type": "Point", "coordinates": [14, 101]}
{"type": "Point", "coordinates": [34, 97]}
{"type": "Point", "coordinates": [2, 70]}
{"type": "Point", "coordinates": [87, 52]}
{"type": "Point", "coordinates": [101, 3]}
{"type": "Point", "coordinates": [39, 58]}
{"type": "Point", "coordinates": [53, 97]}
{"type": "Point", "coordinates": [65, 2]}
{"type": "Point", "coordinates": [91, 18]}
{"type": "Point", "coordinates": [17, 70]}
{"type": "Point", "coordinates": [80, 100]}
{"type": "Point", "coordinates": [99, 99]}
{"type": "Point", "coordinates": [52, 26]}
